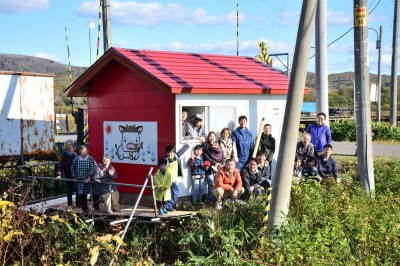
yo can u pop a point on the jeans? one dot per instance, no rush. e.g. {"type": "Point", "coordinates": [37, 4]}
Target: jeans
{"type": "Point", "coordinates": [198, 185]}
{"type": "Point", "coordinates": [174, 197]}
{"type": "Point", "coordinates": [210, 185]}
{"type": "Point", "coordinates": [70, 190]}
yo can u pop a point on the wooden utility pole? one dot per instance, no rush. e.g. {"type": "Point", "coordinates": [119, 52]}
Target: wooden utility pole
{"type": "Point", "coordinates": [362, 100]}
{"type": "Point", "coordinates": [284, 169]}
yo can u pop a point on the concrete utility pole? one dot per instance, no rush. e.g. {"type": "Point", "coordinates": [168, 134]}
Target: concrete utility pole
{"type": "Point", "coordinates": [321, 61]}
{"type": "Point", "coordinates": [378, 102]}
{"type": "Point", "coordinates": [363, 108]}
{"type": "Point", "coordinates": [284, 169]}
{"type": "Point", "coordinates": [393, 79]}
{"type": "Point", "coordinates": [106, 25]}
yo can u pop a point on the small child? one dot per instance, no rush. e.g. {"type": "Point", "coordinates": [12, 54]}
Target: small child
{"type": "Point", "coordinates": [310, 170]}
{"type": "Point", "coordinates": [209, 175]}
{"type": "Point", "coordinates": [174, 167]}
{"type": "Point", "coordinates": [197, 170]}
{"type": "Point", "coordinates": [297, 170]}
{"type": "Point", "coordinates": [162, 184]}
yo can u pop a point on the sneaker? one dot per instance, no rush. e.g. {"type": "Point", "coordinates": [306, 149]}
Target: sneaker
{"type": "Point", "coordinates": [170, 210]}
{"type": "Point", "coordinates": [218, 206]}
{"type": "Point", "coordinates": [228, 201]}
{"type": "Point", "coordinates": [241, 202]}
{"type": "Point", "coordinates": [165, 211]}
{"type": "Point", "coordinates": [161, 212]}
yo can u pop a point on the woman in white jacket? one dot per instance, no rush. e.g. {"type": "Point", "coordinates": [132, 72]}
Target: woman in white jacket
{"type": "Point", "coordinates": [227, 145]}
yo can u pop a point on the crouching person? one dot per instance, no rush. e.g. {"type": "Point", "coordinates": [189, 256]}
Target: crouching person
{"type": "Point", "coordinates": [228, 183]}
{"type": "Point", "coordinates": [251, 179]}
{"type": "Point", "coordinates": [107, 174]}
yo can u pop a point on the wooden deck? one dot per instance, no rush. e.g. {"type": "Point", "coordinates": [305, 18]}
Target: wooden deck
{"type": "Point", "coordinates": [144, 214]}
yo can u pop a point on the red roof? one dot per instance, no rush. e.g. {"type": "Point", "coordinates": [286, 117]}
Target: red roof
{"type": "Point", "coordinates": [191, 72]}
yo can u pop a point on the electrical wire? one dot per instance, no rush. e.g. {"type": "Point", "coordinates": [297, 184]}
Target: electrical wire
{"type": "Point", "coordinates": [336, 40]}
{"type": "Point", "coordinates": [374, 7]}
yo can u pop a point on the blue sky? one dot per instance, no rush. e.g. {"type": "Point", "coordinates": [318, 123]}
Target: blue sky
{"type": "Point", "coordinates": [37, 28]}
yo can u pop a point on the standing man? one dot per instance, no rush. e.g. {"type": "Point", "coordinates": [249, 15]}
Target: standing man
{"type": "Point", "coordinates": [198, 129]}
{"type": "Point", "coordinates": [267, 143]}
{"type": "Point", "coordinates": [320, 134]}
{"type": "Point", "coordinates": [244, 142]}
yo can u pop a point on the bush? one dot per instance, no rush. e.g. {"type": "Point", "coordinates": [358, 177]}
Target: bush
{"type": "Point", "coordinates": [345, 130]}
{"type": "Point", "coordinates": [326, 225]}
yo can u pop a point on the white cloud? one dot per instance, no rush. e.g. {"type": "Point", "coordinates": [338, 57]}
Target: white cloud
{"type": "Point", "coordinates": [378, 18]}
{"type": "Point", "coordinates": [46, 56]}
{"type": "Point", "coordinates": [246, 48]}
{"type": "Point", "coordinates": [22, 6]}
{"type": "Point", "coordinates": [339, 18]}
{"type": "Point", "coordinates": [122, 43]}
{"type": "Point", "coordinates": [289, 19]}
{"type": "Point", "coordinates": [340, 48]}
{"type": "Point", "coordinates": [131, 13]}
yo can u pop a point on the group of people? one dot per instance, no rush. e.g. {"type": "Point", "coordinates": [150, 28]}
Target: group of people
{"type": "Point", "coordinates": [220, 168]}
{"type": "Point", "coordinates": [83, 173]}
{"type": "Point", "coordinates": [313, 159]}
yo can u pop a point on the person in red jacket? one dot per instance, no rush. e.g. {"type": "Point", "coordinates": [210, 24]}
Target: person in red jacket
{"type": "Point", "coordinates": [228, 183]}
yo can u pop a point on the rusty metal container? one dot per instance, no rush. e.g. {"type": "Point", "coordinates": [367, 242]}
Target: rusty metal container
{"type": "Point", "coordinates": [27, 121]}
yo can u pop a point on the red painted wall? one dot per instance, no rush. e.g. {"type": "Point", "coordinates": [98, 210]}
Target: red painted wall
{"type": "Point", "coordinates": [117, 94]}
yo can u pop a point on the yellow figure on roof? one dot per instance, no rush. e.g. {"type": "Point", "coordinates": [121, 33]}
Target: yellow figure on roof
{"type": "Point", "coordinates": [264, 56]}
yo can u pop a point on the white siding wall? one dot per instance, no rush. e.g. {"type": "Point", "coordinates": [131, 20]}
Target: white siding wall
{"type": "Point", "coordinates": [223, 111]}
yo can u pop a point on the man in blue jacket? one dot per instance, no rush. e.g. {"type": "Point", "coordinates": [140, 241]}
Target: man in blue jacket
{"type": "Point", "coordinates": [320, 134]}
{"type": "Point", "coordinates": [244, 142]}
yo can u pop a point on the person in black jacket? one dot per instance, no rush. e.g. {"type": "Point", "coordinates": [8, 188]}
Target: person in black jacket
{"type": "Point", "coordinates": [267, 143]}
{"type": "Point", "coordinates": [251, 179]}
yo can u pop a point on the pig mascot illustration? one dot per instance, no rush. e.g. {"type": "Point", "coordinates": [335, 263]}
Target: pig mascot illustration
{"type": "Point", "coordinates": [130, 142]}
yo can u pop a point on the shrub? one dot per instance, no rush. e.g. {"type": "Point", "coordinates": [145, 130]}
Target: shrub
{"type": "Point", "coordinates": [326, 225]}
{"type": "Point", "coordinates": [345, 130]}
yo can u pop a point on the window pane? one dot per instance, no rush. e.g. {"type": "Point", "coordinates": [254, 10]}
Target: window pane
{"type": "Point", "coordinates": [220, 117]}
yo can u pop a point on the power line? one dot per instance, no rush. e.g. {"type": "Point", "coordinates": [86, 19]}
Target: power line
{"type": "Point", "coordinates": [336, 39]}
{"type": "Point", "coordinates": [374, 7]}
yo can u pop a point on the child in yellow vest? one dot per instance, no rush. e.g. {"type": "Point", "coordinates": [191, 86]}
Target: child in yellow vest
{"type": "Point", "coordinates": [162, 184]}
{"type": "Point", "coordinates": [174, 167]}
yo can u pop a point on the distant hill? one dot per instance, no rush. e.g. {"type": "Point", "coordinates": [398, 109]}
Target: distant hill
{"type": "Point", "coordinates": [23, 63]}
{"type": "Point", "coordinates": [340, 95]}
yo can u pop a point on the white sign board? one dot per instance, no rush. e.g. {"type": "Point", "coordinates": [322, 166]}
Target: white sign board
{"type": "Point", "coordinates": [131, 142]}
{"type": "Point", "coordinates": [373, 97]}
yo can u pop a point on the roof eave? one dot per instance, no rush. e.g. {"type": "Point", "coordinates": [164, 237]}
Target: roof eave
{"type": "Point", "coordinates": [81, 85]}
{"type": "Point", "coordinates": [179, 90]}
